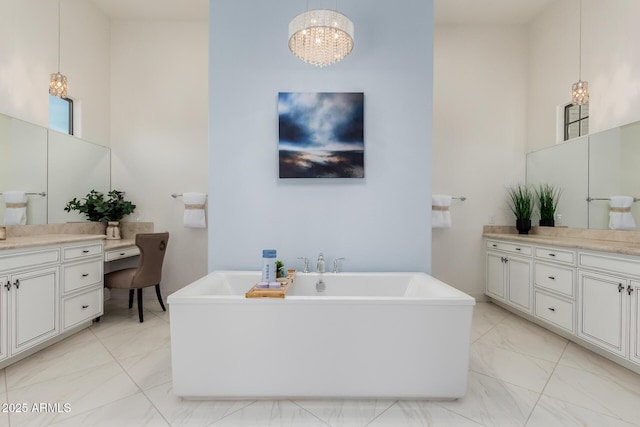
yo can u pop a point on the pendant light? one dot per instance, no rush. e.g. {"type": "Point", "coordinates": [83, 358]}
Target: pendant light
{"type": "Point", "coordinates": [321, 37]}
{"type": "Point", "coordinates": [580, 89]}
{"type": "Point", "coordinates": [58, 82]}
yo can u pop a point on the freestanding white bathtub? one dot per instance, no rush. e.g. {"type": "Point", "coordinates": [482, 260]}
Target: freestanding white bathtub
{"type": "Point", "coordinates": [368, 335]}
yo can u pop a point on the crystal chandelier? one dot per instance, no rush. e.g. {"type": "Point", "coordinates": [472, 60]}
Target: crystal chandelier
{"type": "Point", "coordinates": [580, 89]}
{"type": "Point", "coordinates": [321, 36]}
{"type": "Point", "coordinates": [58, 82]}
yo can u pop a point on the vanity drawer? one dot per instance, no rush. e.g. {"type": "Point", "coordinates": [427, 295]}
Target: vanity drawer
{"type": "Point", "coordinates": [555, 310]}
{"type": "Point", "coordinates": [81, 307]}
{"type": "Point", "coordinates": [29, 259]}
{"type": "Point", "coordinates": [552, 254]}
{"type": "Point", "coordinates": [555, 278]}
{"type": "Point", "coordinates": [113, 255]}
{"type": "Point", "coordinates": [616, 265]}
{"type": "Point", "coordinates": [77, 276]}
{"type": "Point", "coordinates": [84, 251]}
{"type": "Point", "coordinates": [509, 247]}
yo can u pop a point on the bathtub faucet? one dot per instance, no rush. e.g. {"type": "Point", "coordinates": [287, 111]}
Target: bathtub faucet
{"type": "Point", "coordinates": [306, 263]}
{"type": "Point", "coordinates": [320, 264]}
{"type": "Point", "coordinates": [336, 263]}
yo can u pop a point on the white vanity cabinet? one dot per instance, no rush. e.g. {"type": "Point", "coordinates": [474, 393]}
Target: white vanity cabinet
{"type": "Point", "coordinates": [47, 291]}
{"type": "Point", "coordinates": [30, 291]}
{"type": "Point", "coordinates": [634, 354]}
{"type": "Point", "coordinates": [554, 286]}
{"type": "Point", "coordinates": [509, 273]}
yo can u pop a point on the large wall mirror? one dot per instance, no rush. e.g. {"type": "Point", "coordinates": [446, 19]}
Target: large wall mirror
{"type": "Point", "coordinates": [51, 167]}
{"type": "Point", "coordinates": [590, 170]}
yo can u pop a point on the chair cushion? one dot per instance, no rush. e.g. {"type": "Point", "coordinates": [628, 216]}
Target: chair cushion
{"type": "Point", "coordinates": [120, 279]}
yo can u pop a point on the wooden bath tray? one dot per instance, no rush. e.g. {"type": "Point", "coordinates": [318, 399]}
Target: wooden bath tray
{"type": "Point", "coordinates": [285, 284]}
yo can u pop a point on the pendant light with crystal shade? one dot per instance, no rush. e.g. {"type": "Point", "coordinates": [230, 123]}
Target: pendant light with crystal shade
{"type": "Point", "coordinates": [58, 82]}
{"type": "Point", "coordinates": [580, 89]}
{"type": "Point", "coordinates": [321, 37]}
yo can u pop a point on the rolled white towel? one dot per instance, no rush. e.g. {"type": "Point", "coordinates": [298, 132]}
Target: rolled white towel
{"type": "Point", "coordinates": [16, 208]}
{"type": "Point", "coordinates": [194, 213]}
{"type": "Point", "coordinates": [440, 215]}
{"type": "Point", "coordinates": [620, 217]}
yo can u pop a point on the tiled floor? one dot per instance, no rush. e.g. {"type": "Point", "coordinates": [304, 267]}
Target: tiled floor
{"type": "Point", "coordinates": [118, 373]}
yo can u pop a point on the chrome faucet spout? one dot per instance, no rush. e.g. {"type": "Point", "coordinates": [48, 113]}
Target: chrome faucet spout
{"type": "Point", "coordinates": [320, 264]}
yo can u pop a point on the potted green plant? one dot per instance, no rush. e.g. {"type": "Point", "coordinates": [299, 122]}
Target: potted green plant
{"type": "Point", "coordinates": [521, 202]}
{"type": "Point", "coordinates": [280, 271]}
{"type": "Point", "coordinates": [548, 197]}
{"type": "Point", "coordinates": [110, 210]}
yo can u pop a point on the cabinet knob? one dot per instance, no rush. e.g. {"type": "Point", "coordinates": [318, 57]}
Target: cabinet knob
{"type": "Point", "coordinates": [17, 283]}
{"type": "Point", "coordinates": [552, 254]}
{"type": "Point", "coordinates": [494, 245]}
{"type": "Point", "coordinates": [85, 251]}
{"type": "Point", "coordinates": [8, 285]}
{"type": "Point", "coordinates": [85, 274]}
{"type": "Point", "coordinates": [85, 306]}
{"type": "Point", "coordinates": [122, 254]}
{"type": "Point", "coordinates": [629, 289]}
{"type": "Point", "coordinates": [620, 287]}
{"type": "Point", "coordinates": [552, 278]}
{"type": "Point", "coordinates": [551, 309]}
{"type": "Point", "coordinates": [518, 249]}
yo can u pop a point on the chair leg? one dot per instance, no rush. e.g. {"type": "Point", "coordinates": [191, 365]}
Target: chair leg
{"type": "Point", "coordinates": [160, 297]}
{"type": "Point", "coordinates": [140, 305]}
{"type": "Point", "coordinates": [131, 298]}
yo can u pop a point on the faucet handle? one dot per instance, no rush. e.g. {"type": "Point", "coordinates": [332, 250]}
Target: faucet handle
{"type": "Point", "coordinates": [306, 263]}
{"type": "Point", "coordinates": [335, 264]}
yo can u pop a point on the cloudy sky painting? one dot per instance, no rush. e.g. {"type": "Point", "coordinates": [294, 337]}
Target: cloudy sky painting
{"type": "Point", "coordinates": [321, 135]}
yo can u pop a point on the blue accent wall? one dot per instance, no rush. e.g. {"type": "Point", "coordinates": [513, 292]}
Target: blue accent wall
{"type": "Point", "coordinates": [379, 223]}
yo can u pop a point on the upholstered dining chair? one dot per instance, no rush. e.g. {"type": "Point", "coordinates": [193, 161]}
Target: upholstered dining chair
{"type": "Point", "coordinates": [148, 272]}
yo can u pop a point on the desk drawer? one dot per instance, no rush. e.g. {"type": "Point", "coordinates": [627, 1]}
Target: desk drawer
{"type": "Point", "coordinates": [82, 307]}
{"type": "Point", "coordinates": [509, 247]}
{"type": "Point", "coordinates": [552, 254]}
{"type": "Point", "coordinates": [77, 276]}
{"type": "Point", "coordinates": [115, 254]}
{"type": "Point", "coordinates": [555, 310]}
{"type": "Point", "coordinates": [83, 251]}
{"type": "Point", "coordinates": [555, 278]}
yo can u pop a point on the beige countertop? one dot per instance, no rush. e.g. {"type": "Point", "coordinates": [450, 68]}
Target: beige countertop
{"type": "Point", "coordinates": [46, 239]}
{"type": "Point", "coordinates": [613, 246]}
{"type": "Point", "coordinates": [110, 245]}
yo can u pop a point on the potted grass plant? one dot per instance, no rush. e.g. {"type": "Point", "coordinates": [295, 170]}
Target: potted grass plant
{"type": "Point", "coordinates": [110, 210]}
{"type": "Point", "coordinates": [521, 202]}
{"type": "Point", "coordinates": [548, 197]}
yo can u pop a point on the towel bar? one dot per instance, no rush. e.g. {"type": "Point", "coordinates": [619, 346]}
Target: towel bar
{"type": "Point", "coordinates": [590, 199]}
{"type": "Point", "coordinates": [42, 193]}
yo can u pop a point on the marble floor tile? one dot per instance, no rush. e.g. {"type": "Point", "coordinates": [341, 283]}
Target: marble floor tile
{"type": "Point", "coordinates": [345, 412]}
{"type": "Point", "coordinates": [82, 391]}
{"type": "Point", "coordinates": [492, 402]}
{"type": "Point", "coordinates": [78, 352]}
{"type": "Point", "coordinates": [4, 416]}
{"type": "Point", "coordinates": [522, 336]}
{"type": "Point", "coordinates": [506, 365]}
{"type": "Point", "coordinates": [150, 369]}
{"type": "Point", "coordinates": [144, 337]}
{"type": "Point", "coordinates": [271, 413]}
{"type": "Point", "coordinates": [134, 411]}
{"type": "Point", "coordinates": [485, 316]}
{"type": "Point", "coordinates": [580, 358]}
{"type": "Point", "coordinates": [190, 413]}
{"type": "Point", "coordinates": [420, 413]}
{"type": "Point", "coordinates": [619, 399]}
{"type": "Point", "coordinates": [551, 412]}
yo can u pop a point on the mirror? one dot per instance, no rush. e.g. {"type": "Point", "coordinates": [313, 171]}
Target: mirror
{"type": "Point", "coordinates": [565, 166]}
{"type": "Point", "coordinates": [596, 166]}
{"type": "Point", "coordinates": [39, 160]}
{"type": "Point", "coordinates": [613, 171]}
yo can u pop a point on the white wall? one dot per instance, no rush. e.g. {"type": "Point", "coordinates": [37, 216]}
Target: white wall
{"type": "Point", "coordinates": [378, 223]}
{"type": "Point", "coordinates": [479, 134]}
{"type": "Point", "coordinates": [610, 63]}
{"type": "Point", "coordinates": [28, 56]}
{"type": "Point", "coordinates": [159, 131]}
